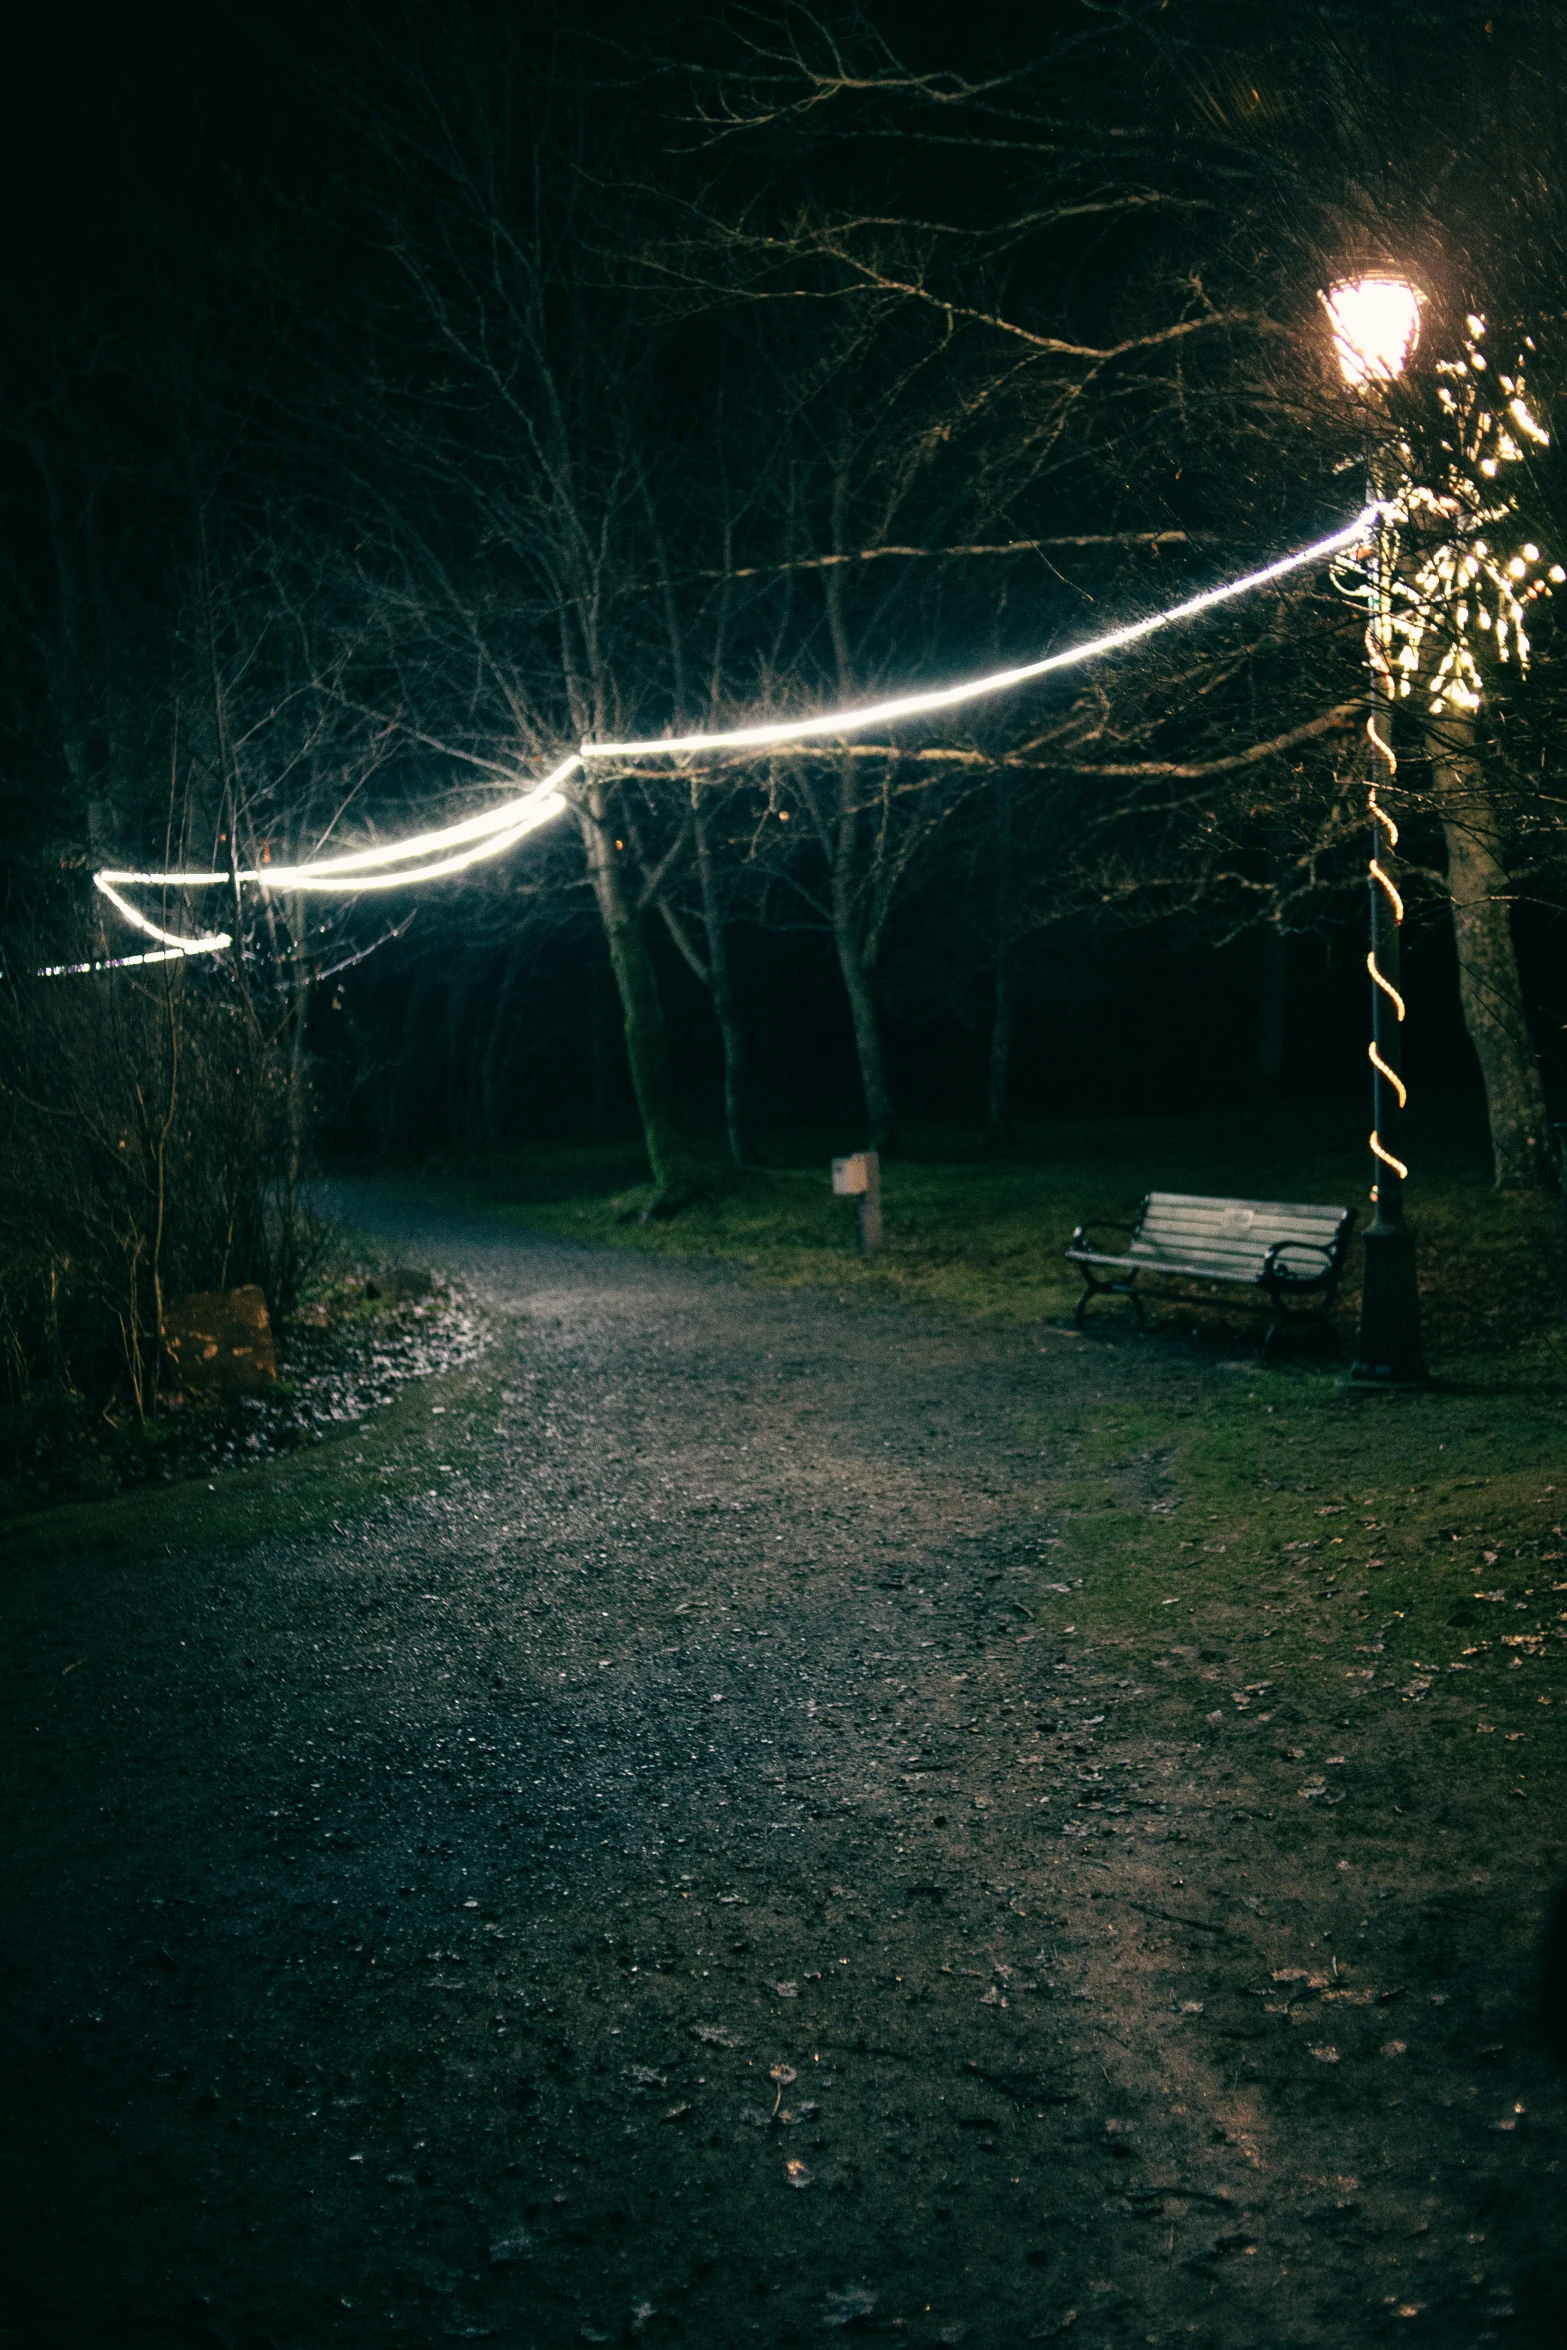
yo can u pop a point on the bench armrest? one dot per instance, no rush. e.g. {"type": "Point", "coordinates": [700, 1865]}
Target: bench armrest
{"type": "Point", "coordinates": [1273, 1271]}
{"type": "Point", "coordinates": [1099, 1224]}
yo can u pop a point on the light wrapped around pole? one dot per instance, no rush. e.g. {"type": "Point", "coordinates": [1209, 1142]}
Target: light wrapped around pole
{"type": "Point", "coordinates": [1388, 1351]}
{"type": "Point", "coordinates": [1376, 326]}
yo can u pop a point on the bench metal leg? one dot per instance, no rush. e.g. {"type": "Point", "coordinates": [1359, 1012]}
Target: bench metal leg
{"type": "Point", "coordinates": [1305, 1324]}
{"type": "Point", "coordinates": [1093, 1289]}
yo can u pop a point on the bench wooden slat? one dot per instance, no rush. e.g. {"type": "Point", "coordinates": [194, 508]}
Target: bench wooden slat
{"type": "Point", "coordinates": [1194, 1268]}
{"type": "Point", "coordinates": [1259, 1207]}
{"type": "Point", "coordinates": [1237, 1243]}
{"type": "Point", "coordinates": [1241, 1219]}
{"type": "Point", "coordinates": [1227, 1243]}
{"type": "Point", "coordinates": [1225, 1236]}
{"type": "Point", "coordinates": [1220, 1244]}
{"type": "Point", "coordinates": [1203, 1261]}
{"type": "Point", "coordinates": [1236, 1220]}
{"type": "Point", "coordinates": [1213, 1254]}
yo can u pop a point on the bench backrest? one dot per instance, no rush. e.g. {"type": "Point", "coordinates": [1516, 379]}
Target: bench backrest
{"type": "Point", "coordinates": [1235, 1234]}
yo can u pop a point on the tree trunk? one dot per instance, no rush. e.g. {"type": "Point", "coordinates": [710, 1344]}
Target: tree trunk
{"type": "Point", "coordinates": [736, 1074]}
{"type": "Point", "coordinates": [737, 1113]}
{"type": "Point", "coordinates": [601, 1039]}
{"type": "Point", "coordinates": [674, 1165]}
{"type": "Point", "coordinates": [1490, 987]}
{"type": "Point", "coordinates": [290, 1251]}
{"type": "Point", "coordinates": [845, 859]}
{"type": "Point", "coordinates": [997, 1123]}
{"type": "Point", "coordinates": [881, 1121]}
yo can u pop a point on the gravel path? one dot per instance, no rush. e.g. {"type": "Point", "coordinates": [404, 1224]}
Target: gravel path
{"type": "Point", "coordinates": [657, 1883]}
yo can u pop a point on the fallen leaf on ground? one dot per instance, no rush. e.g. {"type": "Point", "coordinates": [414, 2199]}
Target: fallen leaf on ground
{"type": "Point", "coordinates": [853, 2302]}
{"type": "Point", "coordinates": [797, 2174]}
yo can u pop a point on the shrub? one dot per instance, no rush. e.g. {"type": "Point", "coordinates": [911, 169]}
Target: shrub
{"type": "Point", "coordinates": [150, 1138]}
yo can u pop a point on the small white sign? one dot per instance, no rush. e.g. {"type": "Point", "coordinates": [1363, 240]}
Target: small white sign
{"type": "Point", "coordinates": [850, 1176]}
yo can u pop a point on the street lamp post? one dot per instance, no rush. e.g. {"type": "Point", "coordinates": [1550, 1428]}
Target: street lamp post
{"type": "Point", "coordinates": [1376, 324]}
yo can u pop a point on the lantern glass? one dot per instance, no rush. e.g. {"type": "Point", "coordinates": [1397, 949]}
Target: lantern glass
{"type": "Point", "coordinates": [1376, 325]}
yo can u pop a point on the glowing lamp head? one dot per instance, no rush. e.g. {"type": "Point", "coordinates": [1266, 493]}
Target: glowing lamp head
{"type": "Point", "coordinates": [1376, 325]}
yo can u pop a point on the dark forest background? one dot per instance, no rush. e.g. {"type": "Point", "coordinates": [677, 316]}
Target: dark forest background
{"type": "Point", "coordinates": [393, 396]}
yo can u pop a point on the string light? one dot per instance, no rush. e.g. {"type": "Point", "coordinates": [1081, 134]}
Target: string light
{"type": "Point", "coordinates": [1388, 1160]}
{"type": "Point", "coordinates": [212, 944]}
{"type": "Point", "coordinates": [948, 697]}
{"type": "Point", "coordinates": [1394, 899]}
{"type": "Point", "coordinates": [125, 962]}
{"type": "Point", "coordinates": [1388, 989]}
{"type": "Point", "coordinates": [417, 859]}
{"type": "Point", "coordinates": [403, 862]}
{"type": "Point", "coordinates": [1380, 816]}
{"type": "Point", "coordinates": [453, 848]}
{"type": "Point", "coordinates": [1381, 880]}
{"type": "Point", "coordinates": [1393, 1078]}
{"type": "Point", "coordinates": [1465, 596]}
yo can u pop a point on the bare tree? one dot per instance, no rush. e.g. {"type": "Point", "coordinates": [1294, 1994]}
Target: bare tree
{"type": "Point", "coordinates": [1230, 168]}
{"type": "Point", "coordinates": [527, 465]}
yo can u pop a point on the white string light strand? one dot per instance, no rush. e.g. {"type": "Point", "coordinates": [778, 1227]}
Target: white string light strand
{"type": "Point", "coordinates": [947, 697]}
{"type": "Point", "coordinates": [474, 838]}
{"type": "Point", "coordinates": [453, 848]}
{"type": "Point", "coordinates": [212, 944]}
{"type": "Point", "coordinates": [130, 962]}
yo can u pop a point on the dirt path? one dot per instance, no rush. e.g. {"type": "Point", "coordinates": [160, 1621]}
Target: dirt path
{"type": "Point", "coordinates": [660, 1884]}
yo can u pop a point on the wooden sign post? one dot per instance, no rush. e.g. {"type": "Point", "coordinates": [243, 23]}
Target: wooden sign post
{"type": "Point", "coordinates": [859, 1178]}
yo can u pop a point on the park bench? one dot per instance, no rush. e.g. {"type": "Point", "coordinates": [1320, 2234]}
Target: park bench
{"type": "Point", "coordinates": [1287, 1253]}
